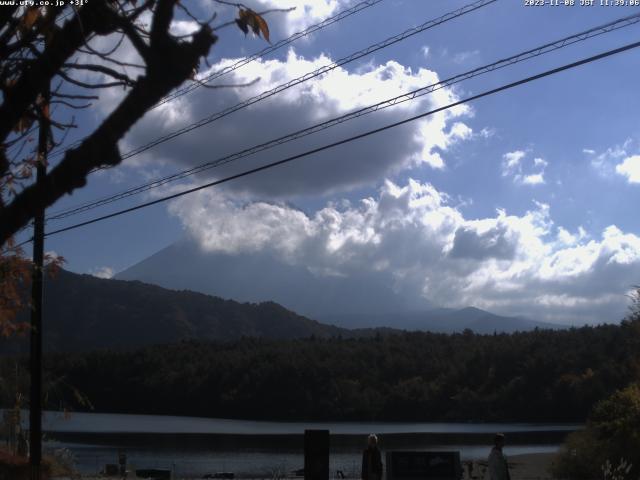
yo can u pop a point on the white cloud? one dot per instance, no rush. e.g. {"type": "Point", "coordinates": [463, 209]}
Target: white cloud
{"type": "Point", "coordinates": [606, 162]}
{"type": "Point", "coordinates": [284, 24]}
{"type": "Point", "coordinates": [565, 237]}
{"type": "Point", "coordinates": [539, 162]}
{"type": "Point", "coordinates": [306, 13]}
{"type": "Point", "coordinates": [102, 272]}
{"type": "Point", "coordinates": [533, 179]}
{"type": "Point", "coordinates": [511, 264]}
{"type": "Point", "coordinates": [511, 161]}
{"type": "Point", "coordinates": [465, 57]}
{"type": "Point", "coordinates": [53, 256]}
{"type": "Point", "coordinates": [487, 132]}
{"type": "Point", "coordinates": [459, 131]}
{"type": "Point", "coordinates": [425, 51]}
{"type": "Point", "coordinates": [360, 163]}
{"type": "Point", "coordinates": [524, 173]}
{"type": "Point", "coordinates": [630, 168]}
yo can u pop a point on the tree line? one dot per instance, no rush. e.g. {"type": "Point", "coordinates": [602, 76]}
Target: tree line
{"type": "Point", "coordinates": [542, 375]}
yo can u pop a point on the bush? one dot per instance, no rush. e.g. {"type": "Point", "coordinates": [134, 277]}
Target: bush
{"type": "Point", "coordinates": [611, 437]}
{"type": "Point", "coordinates": [60, 463]}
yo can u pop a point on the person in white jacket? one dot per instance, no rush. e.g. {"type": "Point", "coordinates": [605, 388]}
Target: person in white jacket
{"type": "Point", "coordinates": [498, 467]}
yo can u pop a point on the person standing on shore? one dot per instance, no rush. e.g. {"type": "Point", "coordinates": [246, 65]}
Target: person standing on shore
{"type": "Point", "coordinates": [498, 466]}
{"type": "Point", "coordinates": [371, 460]}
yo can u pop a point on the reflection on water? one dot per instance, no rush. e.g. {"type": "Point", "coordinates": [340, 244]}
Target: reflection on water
{"type": "Point", "coordinates": [105, 423]}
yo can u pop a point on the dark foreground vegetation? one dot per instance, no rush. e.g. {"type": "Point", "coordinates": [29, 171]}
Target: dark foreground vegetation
{"type": "Point", "coordinates": [609, 446]}
{"type": "Point", "coordinates": [533, 376]}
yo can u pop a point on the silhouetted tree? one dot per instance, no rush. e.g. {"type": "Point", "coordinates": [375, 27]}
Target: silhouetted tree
{"type": "Point", "coordinates": [49, 66]}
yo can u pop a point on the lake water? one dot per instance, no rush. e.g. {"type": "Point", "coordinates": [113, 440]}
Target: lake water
{"type": "Point", "coordinates": [192, 447]}
{"type": "Point", "coordinates": [120, 423]}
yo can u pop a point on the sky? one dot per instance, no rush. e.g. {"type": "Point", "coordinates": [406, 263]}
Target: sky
{"type": "Point", "coordinates": [521, 203]}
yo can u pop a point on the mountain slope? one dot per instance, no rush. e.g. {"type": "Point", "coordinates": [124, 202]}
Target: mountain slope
{"type": "Point", "coordinates": [363, 302]}
{"type": "Point", "coordinates": [84, 312]}
{"type": "Point", "coordinates": [258, 277]}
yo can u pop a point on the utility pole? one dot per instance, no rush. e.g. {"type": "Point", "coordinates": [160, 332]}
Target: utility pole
{"type": "Point", "coordinates": [35, 402]}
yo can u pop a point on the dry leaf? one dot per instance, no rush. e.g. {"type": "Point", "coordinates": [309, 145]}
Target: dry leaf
{"type": "Point", "coordinates": [30, 18]}
{"type": "Point", "coordinates": [23, 124]}
{"type": "Point", "coordinates": [262, 27]}
{"type": "Point", "coordinates": [248, 18]}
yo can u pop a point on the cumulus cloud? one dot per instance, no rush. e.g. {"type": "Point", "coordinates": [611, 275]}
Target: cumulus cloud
{"type": "Point", "coordinates": [510, 264]}
{"type": "Point", "coordinates": [630, 168]}
{"type": "Point", "coordinates": [356, 164]}
{"type": "Point", "coordinates": [102, 272]}
{"type": "Point", "coordinates": [511, 161]}
{"type": "Point", "coordinates": [533, 179]}
{"type": "Point", "coordinates": [605, 163]}
{"type": "Point", "coordinates": [525, 173]}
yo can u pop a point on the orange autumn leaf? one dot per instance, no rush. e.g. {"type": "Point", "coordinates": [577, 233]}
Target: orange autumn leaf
{"type": "Point", "coordinates": [30, 18]}
{"type": "Point", "coordinates": [248, 18]}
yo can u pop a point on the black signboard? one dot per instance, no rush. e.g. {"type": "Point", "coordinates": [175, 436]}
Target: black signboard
{"type": "Point", "coordinates": [423, 466]}
{"type": "Point", "coordinates": [316, 454]}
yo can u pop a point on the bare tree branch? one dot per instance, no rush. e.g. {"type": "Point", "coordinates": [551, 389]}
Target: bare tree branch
{"type": "Point", "coordinates": [169, 64]}
{"type": "Point", "coordinates": [63, 43]}
{"type": "Point", "coordinates": [82, 84]}
{"type": "Point", "coordinates": [70, 105]}
{"type": "Point", "coordinates": [101, 69]}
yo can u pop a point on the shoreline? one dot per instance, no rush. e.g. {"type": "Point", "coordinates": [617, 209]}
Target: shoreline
{"type": "Point", "coordinates": [532, 466]}
{"type": "Point", "coordinates": [295, 441]}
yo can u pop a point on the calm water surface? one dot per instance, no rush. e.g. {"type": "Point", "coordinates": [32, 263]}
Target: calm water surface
{"type": "Point", "coordinates": [119, 423]}
{"type": "Point", "coordinates": [267, 461]}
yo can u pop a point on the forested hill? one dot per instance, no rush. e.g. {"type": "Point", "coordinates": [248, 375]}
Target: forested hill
{"type": "Point", "coordinates": [532, 376]}
{"type": "Point", "coordinates": [83, 312]}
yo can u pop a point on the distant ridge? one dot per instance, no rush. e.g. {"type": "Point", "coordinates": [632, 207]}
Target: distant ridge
{"type": "Point", "coordinates": [83, 312]}
{"type": "Point", "coordinates": [442, 320]}
{"type": "Point", "coordinates": [356, 302]}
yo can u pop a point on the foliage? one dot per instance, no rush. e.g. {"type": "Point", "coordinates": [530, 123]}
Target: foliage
{"type": "Point", "coordinates": [14, 278]}
{"type": "Point", "coordinates": [532, 376]}
{"type": "Point", "coordinates": [611, 440]}
{"type": "Point", "coordinates": [60, 463]}
{"type": "Point", "coordinates": [610, 443]}
{"type": "Point", "coordinates": [616, 472]}
{"type": "Point", "coordinates": [16, 467]}
{"type": "Point", "coordinates": [15, 281]}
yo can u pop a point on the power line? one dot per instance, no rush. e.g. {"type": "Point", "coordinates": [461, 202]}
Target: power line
{"type": "Point", "coordinates": [529, 54]}
{"type": "Point", "coordinates": [352, 138]}
{"type": "Point", "coordinates": [308, 76]}
{"type": "Point", "coordinates": [240, 63]}
{"type": "Point", "coordinates": [246, 60]}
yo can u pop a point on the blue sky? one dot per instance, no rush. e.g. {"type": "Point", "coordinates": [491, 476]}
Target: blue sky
{"type": "Point", "coordinates": [519, 202]}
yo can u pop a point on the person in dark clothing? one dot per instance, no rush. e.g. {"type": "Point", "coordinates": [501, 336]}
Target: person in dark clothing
{"type": "Point", "coordinates": [371, 460]}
